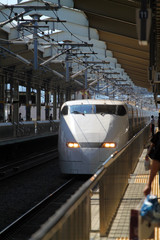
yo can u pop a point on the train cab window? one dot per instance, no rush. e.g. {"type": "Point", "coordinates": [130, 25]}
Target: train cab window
{"type": "Point", "coordinates": [111, 109]}
{"type": "Point", "coordinates": [82, 109]}
{"type": "Point", "coordinates": [99, 109]}
{"type": "Point", "coordinates": [64, 110]}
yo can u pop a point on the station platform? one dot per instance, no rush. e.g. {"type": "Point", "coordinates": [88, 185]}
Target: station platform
{"type": "Point", "coordinates": [132, 199]}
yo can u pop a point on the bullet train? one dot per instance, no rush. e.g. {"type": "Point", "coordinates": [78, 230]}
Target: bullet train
{"type": "Point", "coordinates": [91, 130]}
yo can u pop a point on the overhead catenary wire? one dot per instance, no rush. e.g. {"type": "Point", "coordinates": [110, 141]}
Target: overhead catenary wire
{"type": "Point", "coordinates": [50, 58]}
{"type": "Point", "coordinates": [66, 27]}
{"type": "Point", "coordinates": [71, 35]}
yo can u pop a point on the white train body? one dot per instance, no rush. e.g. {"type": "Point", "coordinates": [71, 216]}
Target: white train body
{"type": "Point", "coordinates": [89, 124]}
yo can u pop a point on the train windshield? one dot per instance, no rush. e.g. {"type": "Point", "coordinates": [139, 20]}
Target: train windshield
{"type": "Point", "coordinates": [98, 109]}
{"type": "Point", "coordinates": [83, 109]}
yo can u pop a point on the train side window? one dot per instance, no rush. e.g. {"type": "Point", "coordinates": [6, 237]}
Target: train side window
{"type": "Point", "coordinates": [106, 109]}
{"type": "Point", "coordinates": [111, 109]}
{"type": "Point", "coordinates": [64, 110]}
{"type": "Point", "coordinates": [121, 111]}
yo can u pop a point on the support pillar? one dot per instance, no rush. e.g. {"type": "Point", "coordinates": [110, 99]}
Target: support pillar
{"type": "Point", "coordinates": [14, 112]}
{"type": "Point", "coordinates": [61, 99]}
{"type": "Point", "coordinates": [51, 104]}
{"type": "Point", "coordinates": [86, 85]}
{"type": "Point", "coordinates": [2, 99]}
{"type": "Point", "coordinates": [55, 105]}
{"type": "Point", "coordinates": [107, 93]}
{"type": "Point", "coordinates": [14, 91]}
{"type": "Point", "coordinates": [38, 104]}
{"type": "Point", "coordinates": [68, 95]}
{"type": "Point", "coordinates": [28, 102]}
{"type": "Point", "coordinates": [15, 101]}
{"type": "Point", "coordinates": [58, 95]}
{"type": "Point", "coordinates": [98, 86]}
{"type": "Point", "coordinates": [113, 92]}
{"type": "Point", "coordinates": [47, 105]}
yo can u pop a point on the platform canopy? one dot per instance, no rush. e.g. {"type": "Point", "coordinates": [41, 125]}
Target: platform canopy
{"type": "Point", "coordinates": [131, 30]}
{"type": "Point", "coordinates": [52, 44]}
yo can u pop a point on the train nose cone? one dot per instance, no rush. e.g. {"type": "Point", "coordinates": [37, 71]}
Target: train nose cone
{"type": "Point", "coordinates": [93, 130]}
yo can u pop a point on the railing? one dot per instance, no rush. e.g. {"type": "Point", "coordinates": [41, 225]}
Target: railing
{"type": "Point", "coordinates": [24, 129]}
{"type": "Point", "coordinates": [73, 220]}
{"type": "Point", "coordinates": [27, 128]}
{"type": "Point", "coordinates": [47, 126]}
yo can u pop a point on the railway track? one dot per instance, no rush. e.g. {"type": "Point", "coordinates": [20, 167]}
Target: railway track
{"type": "Point", "coordinates": [30, 222]}
{"type": "Point", "coordinates": [27, 163]}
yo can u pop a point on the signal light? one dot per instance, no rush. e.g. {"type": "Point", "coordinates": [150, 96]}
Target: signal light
{"type": "Point", "coordinates": [108, 145]}
{"type": "Point", "coordinates": [73, 145]}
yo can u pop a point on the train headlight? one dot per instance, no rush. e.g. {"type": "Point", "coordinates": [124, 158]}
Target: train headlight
{"type": "Point", "coordinates": [108, 145]}
{"type": "Point", "coordinates": [73, 145]}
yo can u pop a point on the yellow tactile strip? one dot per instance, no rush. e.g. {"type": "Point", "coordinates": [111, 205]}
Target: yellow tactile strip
{"type": "Point", "coordinates": [155, 186]}
{"type": "Point", "coordinates": [122, 238]}
{"type": "Point", "coordinates": [141, 178]}
{"type": "Point", "coordinates": [156, 233]}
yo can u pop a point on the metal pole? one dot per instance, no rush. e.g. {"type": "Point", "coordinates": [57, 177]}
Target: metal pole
{"type": "Point", "coordinates": [67, 66]}
{"type": "Point", "coordinates": [86, 72]}
{"type": "Point", "coordinates": [35, 42]}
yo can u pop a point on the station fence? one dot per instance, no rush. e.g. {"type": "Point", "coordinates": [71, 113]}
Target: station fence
{"type": "Point", "coordinates": [73, 220]}
{"type": "Point", "coordinates": [27, 128]}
